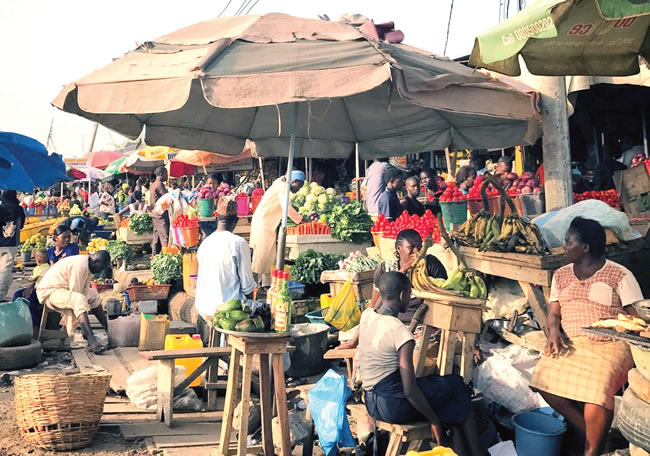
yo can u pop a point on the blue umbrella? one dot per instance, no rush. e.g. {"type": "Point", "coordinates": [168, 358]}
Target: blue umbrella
{"type": "Point", "coordinates": [25, 163]}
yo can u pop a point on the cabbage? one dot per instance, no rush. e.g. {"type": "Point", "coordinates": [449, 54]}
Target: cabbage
{"type": "Point", "coordinates": [292, 196]}
{"type": "Point", "coordinates": [303, 211]}
{"type": "Point", "coordinates": [313, 185]}
{"type": "Point", "coordinates": [299, 200]}
{"type": "Point", "coordinates": [330, 192]}
{"type": "Point", "coordinates": [321, 207]}
{"type": "Point", "coordinates": [323, 199]}
{"type": "Point", "coordinates": [304, 191]}
{"type": "Point", "coordinates": [317, 190]}
{"type": "Point", "coordinates": [310, 205]}
{"type": "Point", "coordinates": [310, 198]}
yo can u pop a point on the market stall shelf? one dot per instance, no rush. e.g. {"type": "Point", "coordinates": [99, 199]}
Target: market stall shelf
{"type": "Point", "coordinates": [361, 282]}
{"type": "Point", "coordinates": [323, 243]}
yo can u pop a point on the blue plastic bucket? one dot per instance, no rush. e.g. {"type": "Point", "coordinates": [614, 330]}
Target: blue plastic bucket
{"type": "Point", "coordinates": [537, 433]}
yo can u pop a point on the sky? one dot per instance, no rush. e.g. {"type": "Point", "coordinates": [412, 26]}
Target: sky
{"type": "Point", "coordinates": [47, 44]}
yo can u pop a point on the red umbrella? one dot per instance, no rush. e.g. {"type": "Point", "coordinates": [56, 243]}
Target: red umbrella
{"type": "Point", "coordinates": [102, 158]}
{"type": "Point", "coordinates": [76, 173]}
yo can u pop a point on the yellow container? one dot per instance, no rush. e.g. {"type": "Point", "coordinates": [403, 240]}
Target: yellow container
{"type": "Point", "coordinates": [326, 300]}
{"type": "Point", "coordinates": [190, 268]}
{"type": "Point", "coordinates": [153, 329]}
{"type": "Point", "coordinates": [180, 341]}
{"type": "Point", "coordinates": [437, 451]}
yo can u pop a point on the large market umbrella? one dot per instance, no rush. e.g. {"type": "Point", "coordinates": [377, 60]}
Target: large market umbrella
{"type": "Point", "coordinates": [75, 173]}
{"type": "Point", "coordinates": [25, 164]}
{"type": "Point", "coordinates": [298, 87]}
{"type": "Point", "coordinates": [100, 159]}
{"type": "Point", "coordinates": [569, 37]}
{"type": "Point", "coordinates": [137, 164]}
{"type": "Point", "coordinates": [203, 158]}
{"type": "Point", "coordinates": [94, 173]}
{"type": "Point", "coordinates": [114, 166]}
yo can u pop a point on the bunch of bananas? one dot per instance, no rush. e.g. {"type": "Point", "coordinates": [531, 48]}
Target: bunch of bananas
{"type": "Point", "coordinates": [97, 244]}
{"type": "Point", "coordinates": [513, 234]}
{"type": "Point", "coordinates": [460, 283]}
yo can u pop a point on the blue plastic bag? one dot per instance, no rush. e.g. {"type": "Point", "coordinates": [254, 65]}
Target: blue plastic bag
{"type": "Point", "coordinates": [327, 400]}
{"type": "Point", "coordinates": [15, 323]}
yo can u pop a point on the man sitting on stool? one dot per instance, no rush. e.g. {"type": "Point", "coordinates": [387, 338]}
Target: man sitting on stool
{"type": "Point", "coordinates": [65, 288]}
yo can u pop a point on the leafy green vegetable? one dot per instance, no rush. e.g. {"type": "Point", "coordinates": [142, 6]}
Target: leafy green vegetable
{"type": "Point", "coordinates": [166, 267]}
{"type": "Point", "coordinates": [310, 264]}
{"type": "Point", "coordinates": [118, 250]}
{"type": "Point", "coordinates": [350, 222]}
{"type": "Point", "coordinates": [140, 223]}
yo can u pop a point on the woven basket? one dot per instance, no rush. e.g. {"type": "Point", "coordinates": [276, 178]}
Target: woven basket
{"type": "Point", "coordinates": [148, 292]}
{"type": "Point", "coordinates": [58, 411]}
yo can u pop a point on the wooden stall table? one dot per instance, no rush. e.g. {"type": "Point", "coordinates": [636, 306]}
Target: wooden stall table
{"type": "Point", "coordinates": [268, 346]}
{"type": "Point", "coordinates": [453, 315]}
{"type": "Point", "coordinates": [323, 243]}
{"type": "Point", "coordinates": [535, 273]}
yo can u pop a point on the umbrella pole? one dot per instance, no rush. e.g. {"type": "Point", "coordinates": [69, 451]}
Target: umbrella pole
{"type": "Point", "coordinates": [356, 166]}
{"type": "Point", "coordinates": [262, 172]}
{"type": "Point", "coordinates": [645, 132]}
{"type": "Point", "coordinates": [282, 236]}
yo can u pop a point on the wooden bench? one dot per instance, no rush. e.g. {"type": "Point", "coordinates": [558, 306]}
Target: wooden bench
{"type": "Point", "coordinates": [166, 361]}
{"type": "Point", "coordinates": [413, 433]}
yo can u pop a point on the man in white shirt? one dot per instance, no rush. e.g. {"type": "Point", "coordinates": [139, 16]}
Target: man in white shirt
{"type": "Point", "coordinates": [224, 264]}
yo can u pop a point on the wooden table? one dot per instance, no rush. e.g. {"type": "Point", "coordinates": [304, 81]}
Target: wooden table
{"type": "Point", "coordinates": [270, 349]}
{"type": "Point", "coordinates": [535, 273]}
{"type": "Point", "coordinates": [454, 316]}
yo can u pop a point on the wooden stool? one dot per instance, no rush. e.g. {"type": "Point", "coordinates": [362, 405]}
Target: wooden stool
{"type": "Point", "coordinates": [48, 334]}
{"type": "Point", "coordinates": [268, 349]}
{"type": "Point", "coordinates": [453, 319]}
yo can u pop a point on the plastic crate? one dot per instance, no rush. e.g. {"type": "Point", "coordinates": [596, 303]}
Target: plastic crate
{"type": "Point", "coordinates": [147, 292]}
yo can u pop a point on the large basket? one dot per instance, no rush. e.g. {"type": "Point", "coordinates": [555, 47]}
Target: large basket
{"type": "Point", "coordinates": [148, 292]}
{"type": "Point", "coordinates": [59, 411]}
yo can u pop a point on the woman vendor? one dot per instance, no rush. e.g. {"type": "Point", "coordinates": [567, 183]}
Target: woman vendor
{"type": "Point", "coordinates": [392, 392]}
{"type": "Point", "coordinates": [62, 248]}
{"type": "Point", "coordinates": [429, 185]}
{"type": "Point", "coordinates": [465, 179]}
{"type": "Point", "coordinates": [407, 246]}
{"type": "Point", "coordinates": [580, 373]}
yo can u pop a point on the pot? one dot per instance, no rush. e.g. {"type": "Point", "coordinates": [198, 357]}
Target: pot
{"type": "Point", "coordinates": [310, 340]}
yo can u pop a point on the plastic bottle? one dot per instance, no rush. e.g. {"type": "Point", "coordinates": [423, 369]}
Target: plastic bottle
{"type": "Point", "coordinates": [273, 291]}
{"type": "Point", "coordinates": [282, 320]}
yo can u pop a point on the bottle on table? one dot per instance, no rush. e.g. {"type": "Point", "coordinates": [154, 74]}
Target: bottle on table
{"type": "Point", "coordinates": [282, 320]}
{"type": "Point", "coordinates": [273, 291]}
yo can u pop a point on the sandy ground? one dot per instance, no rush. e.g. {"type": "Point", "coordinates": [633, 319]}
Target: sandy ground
{"type": "Point", "coordinates": [107, 441]}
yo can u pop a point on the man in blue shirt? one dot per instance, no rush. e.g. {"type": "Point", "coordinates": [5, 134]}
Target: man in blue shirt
{"type": "Point", "coordinates": [389, 204]}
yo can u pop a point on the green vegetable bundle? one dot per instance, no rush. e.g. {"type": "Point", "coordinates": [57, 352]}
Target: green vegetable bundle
{"type": "Point", "coordinates": [310, 264]}
{"type": "Point", "coordinates": [140, 223]}
{"type": "Point", "coordinates": [167, 267]}
{"type": "Point", "coordinates": [350, 223]}
{"type": "Point", "coordinates": [118, 250]}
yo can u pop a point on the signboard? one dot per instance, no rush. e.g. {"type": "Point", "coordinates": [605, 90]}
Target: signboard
{"type": "Point", "coordinates": [77, 163]}
{"type": "Point", "coordinates": [241, 165]}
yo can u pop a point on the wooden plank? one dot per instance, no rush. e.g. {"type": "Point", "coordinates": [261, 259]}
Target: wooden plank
{"type": "Point", "coordinates": [422, 350]}
{"type": "Point", "coordinates": [266, 403]}
{"type": "Point", "coordinates": [467, 357]}
{"type": "Point", "coordinates": [246, 381]}
{"type": "Point", "coordinates": [124, 407]}
{"type": "Point", "coordinates": [510, 271]}
{"type": "Point", "coordinates": [231, 402]}
{"type": "Point", "coordinates": [447, 352]}
{"type": "Point", "coordinates": [118, 419]}
{"type": "Point", "coordinates": [165, 391]}
{"type": "Point", "coordinates": [281, 403]}
{"type": "Point", "coordinates": [518, 259]}
{"type": "Point", "coordinates": [537, 302]}
{"type": "Point", "coordinates": [142, 430]}
{"type": "Point", "coordinates": [175, 441]}
{"type": "Point", "coordinates": [340, 353]}
{"type": "Point", "coordinates": [156, 355]}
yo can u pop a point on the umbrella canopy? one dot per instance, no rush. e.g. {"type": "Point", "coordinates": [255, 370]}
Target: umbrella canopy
{"type": "Point", "coordinates": [137, 164]}
{"type": "Point", "coordinates": [569, 37]}
{"type": "Point", "coordinates": [94, 173]}
{"type": "Point", "coordinates": [177, 168]}
{"type": "Point", "coordinates": [157, 152]}
{"type": "Point", "coordinates": [25, 163]}
{"type": "Point", "coordinates": [203, 158]}
{"type": "Point", "coordinates": [100, 159]}
{"type": "Point", "coordinates": [114, 166]}
{"type": "Point", "coordinates": [75, 173]}
{"type": "Point", "coordinates": [212, 85]}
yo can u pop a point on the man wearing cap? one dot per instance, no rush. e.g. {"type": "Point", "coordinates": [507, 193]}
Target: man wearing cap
{"type": "Point", "coordinates": [224, 264]}
{"type": "Point", "coordinates": [267, 218]}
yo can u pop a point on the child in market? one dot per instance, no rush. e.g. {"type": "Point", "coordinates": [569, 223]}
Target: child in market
{"type": "Point", "coordinates": [29, 293]}
{"type": "Point", "coordinates": [42, 266]}
{"type": "Point", "coordinates": [392, 392]}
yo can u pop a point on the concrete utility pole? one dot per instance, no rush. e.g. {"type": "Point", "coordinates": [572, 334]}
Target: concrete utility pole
{"type": "Point", "coordinates": [558, 186]}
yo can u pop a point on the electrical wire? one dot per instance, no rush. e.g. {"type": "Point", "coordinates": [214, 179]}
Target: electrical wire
{"type": "Point", "coordinates": [224, 8]}
{"type": "Point", "coordinates": [242, 7]}
{"type": "Point", "coordinates": [451, 10]}
{"type": "Point", "coordinates": [252, 6]}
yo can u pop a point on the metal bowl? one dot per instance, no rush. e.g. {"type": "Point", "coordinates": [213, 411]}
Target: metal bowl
{"type": "Point", "coordinates": [641, 358]}
{"type": "Point", "coordinates": [643, 308]}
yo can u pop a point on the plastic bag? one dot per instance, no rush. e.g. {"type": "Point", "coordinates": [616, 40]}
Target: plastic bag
{"type": "Point", "coordinates": [554, 228]}
{"type": "Point", "coordinates": [344, 313]}
{"type": "Point", "coordinates": [142, 390]}
{"type": "Point", "coordinates": [15, 323]}
{"type": "Point", "coordinates": [505, 377]}
{"type": "Point", "coordinates": [327, 400]}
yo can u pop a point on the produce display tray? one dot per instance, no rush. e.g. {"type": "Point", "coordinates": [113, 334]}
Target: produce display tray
{"type": "Point", "coordinates": [626, 337]}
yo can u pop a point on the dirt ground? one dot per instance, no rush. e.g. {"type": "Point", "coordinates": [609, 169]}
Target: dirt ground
{"type": "Point", "coordinates": [107, 441]}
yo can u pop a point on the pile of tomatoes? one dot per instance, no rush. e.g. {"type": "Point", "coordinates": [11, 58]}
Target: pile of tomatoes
{"type": "Point", "coordinates": [606, 196]}
{"type": "Point", "coordinates": [425, 225]}
{"type": "Point", "coordinates": [475, 192]}
{"type": "Point", "coordinates": [183, 221]}
{"type": "Point", "coordinates": [452, 194]}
